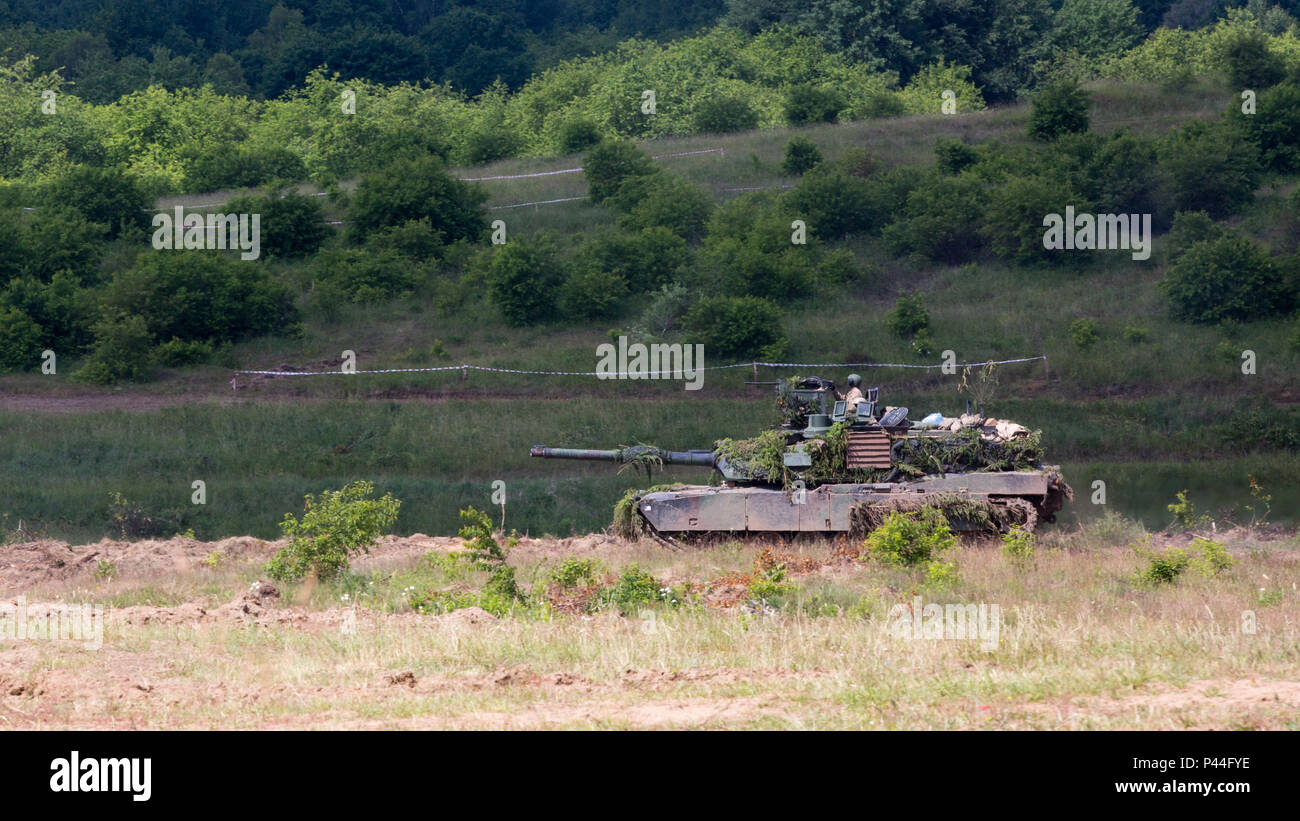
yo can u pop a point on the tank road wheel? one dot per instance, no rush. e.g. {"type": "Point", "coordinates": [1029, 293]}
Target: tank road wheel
{"type": "Point", "coordinates": [1023, 514]}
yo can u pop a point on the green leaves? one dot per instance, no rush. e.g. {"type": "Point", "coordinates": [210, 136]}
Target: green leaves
{"type": "Point", "coordinates": [335, 526]}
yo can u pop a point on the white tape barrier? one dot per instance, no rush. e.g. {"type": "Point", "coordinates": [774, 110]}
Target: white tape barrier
{"type": "Point", "coordinates": [644, 374]}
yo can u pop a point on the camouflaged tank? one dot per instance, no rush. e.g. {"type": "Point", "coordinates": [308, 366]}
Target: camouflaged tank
{"type": "Point", "coordinates": [829, 469]}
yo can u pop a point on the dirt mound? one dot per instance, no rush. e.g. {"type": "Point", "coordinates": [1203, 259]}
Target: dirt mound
{"type": "Point", "coordinates": [28, 564]}
{"type": "Point", "coordinates": [465, 616]}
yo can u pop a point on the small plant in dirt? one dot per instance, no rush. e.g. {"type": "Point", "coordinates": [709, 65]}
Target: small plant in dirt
{"type": "Point", "coordinates": [574, 572]}
{"type": "Point", "coordinates": [501, 590]}
{"type": "Point", "coordinates": [635, 586]}
{"type": "Point", "coordinates": [214, 560]}
{"type": "Point", "coordinates": [770, 585]}
{"type": "Point", "coordinates": [1185, 514]}
{"type": "Point", "coordinates": [333, 527]}
{"type": "Point", "coordinates": [1018, 545]}
{"type": "Point", "coordinates": [908, 539]}
{"type": "Point", "coordinates": [1204, 556]}
{"type": "Point", "coordinates": [940, 575]}
{"type": "Point", "coordinates": [1261, 504]}
{"type": "Point", "coordinates": [105, 570]}
{"type": "Point", "coordinates": [129, 518]}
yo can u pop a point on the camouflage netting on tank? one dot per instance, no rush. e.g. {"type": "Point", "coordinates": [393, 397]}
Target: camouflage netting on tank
{"type": "Point", "coordinates": [975, 514]}
{"type": "Point", "coordinates": [762, 457]}
{"type": "Point", "coordinates": [967, 451]}
{"type": "Point", "coordinates": [628, 521]}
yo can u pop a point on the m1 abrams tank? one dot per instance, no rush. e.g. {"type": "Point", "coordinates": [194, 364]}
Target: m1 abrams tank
{"type": "Point", "coordinates": [831, 468]}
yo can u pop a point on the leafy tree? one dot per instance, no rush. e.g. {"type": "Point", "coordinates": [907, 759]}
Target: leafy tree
{"type": "Point", "coordinates": [579, 134]}
{"type": "Point", "coordinates": [1209, 168]}
{"type": "Point", "coordinates": [524, 279]}
{"type": "Point", "coordinates": [1274, 127]}
{"type": "Point", "coordinates": [121, 352]}
{"type": "Point", "coordinates": [801, 155]}
{"type": "Point", "coordinates": [736, 326]}
{"type": "Point", "coordinates": [333, 528]}
{"type": "Point", "coordinates": [662, 200]}
{"type": "Point", "coordinates": [941, 220]}
{"type": "Point", "coordinates": [20, 338]}
{"type": "Point", "coordinates": [645, 260]}
{"type": "Point", "coordinates": [1250, 62]}
{"type": "Point", "coordinates": [200, 295]}
{"type": "Point", "coordinates": [724, 115]}
{"type": "Point", "coordinates": [1096, 27]}
{"type": "Point", "coordinates": [1060, 108]}
{"type": "Point", "coordinates": [108, 196]}
{"type": "Point", "coordinates": [834, 204]}
{"type": "Point", "coordinates": [806, 104]}
{"type": "Point", "coordinates": [591, 292]}
{"type": "Point", "coordinates": [293, 224]}
{"type": "Point", "coordinates": [909, 317]}
{"type": "Point", "coordinates": [415, 189]}
{"type": "Point", "coordinates": [1226, 278]}
{"type": "Point", "coordinates": [610, 164]}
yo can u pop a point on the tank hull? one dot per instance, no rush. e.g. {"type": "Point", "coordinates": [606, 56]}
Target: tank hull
{"type": "Point", "coordinates": [828, 508]}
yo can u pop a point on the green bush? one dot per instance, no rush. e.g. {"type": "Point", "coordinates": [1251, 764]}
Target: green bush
{"type": "Point", "coordinates": [953, 156]}
{"type": "Point", "coordinates": [1189, 228]}
{"type": "Point", "coordinates": [579, 134]}
{"type": "Point", "coordinates": [501, 590]}
{"type": "Point", "coordinates": [941, 219]}
{"type": "Point", "coordinates": [801, 156]}
{"type": "Point", "coordinates": [20, 340]}
{"type": "Point", "coordinates": [1227, 278]}
{"type": "Point", "coordinates": [1084, 333]}
{"type": "Point", "coordinates": [1018, 545]}
{"type": "Point", "coordinates": [1013, 224]}
{"type": "Point", "coordinates": [1060, 108]}
{"type": "Point", "coordinates": [1250, 63]}
{"type": "Point", "coordinates": [591, 292]}
{"type": "Point", "coordinates": [573, 572]}
{"type": "Point", "coordinates": [646, 260]}
{"type": "Point", "coordinates": [293, 224]}
{"type": "Point", "coordinates": [359, 275]}
{"type": "Point", "coordinates": [335, 526]}
{"type": "Point", "coordinates": [418, 189]}
{"type": "Point", "coordinates": [635, 586]}
{"type": "Point", "coordinates": [524, 279]}
{"type": "Point", "coordinates": [805, 104]}
{"type": "Point", "coordinates": [835, 204]}
{"type": "Point", "coordinates": [907, 539]}
{"type": "Point", "coordinates": [121, 351]}
{"type": "Point", "coordinates": [908, 317]}
{"type": "Point", "coordinates": [178, 352]}
{"type": "Point", "coordinates": [1274, 127]}
{"type": "Point", "coordinates": [612, 163]}
{"type": "Point", "coordinates": [201, 296]}
{"type": "Point", "coordinates": [107, 196]}
{"type": "Point", "coordinates": [724, 115]}
{"type": "Point", "coordinates": [664, 201]}
{"type": "Point", "coordinates": [1211, 168]}
{"type": "Point", "coordinates": [732, 327]}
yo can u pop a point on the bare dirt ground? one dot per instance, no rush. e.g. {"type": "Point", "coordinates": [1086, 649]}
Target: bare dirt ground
{"type": "Point", "coordinates": [194, 637]}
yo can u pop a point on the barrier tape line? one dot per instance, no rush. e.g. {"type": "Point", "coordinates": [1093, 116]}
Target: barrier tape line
{"type": "Point", "coordinates": [644, 374]}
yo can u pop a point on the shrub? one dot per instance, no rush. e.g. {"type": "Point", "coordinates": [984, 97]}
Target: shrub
{"type": "Point", "coordinates": [634, 586]}
{"type": "Point", "coordinates": [908, 317]}
{"type": "Point", "coordinates": [20, 340]}
{"type": "Point", "coordinates": [835, 204]}
{"type": "Point", "coordinates": [524, 279]}
{"type": "Point", "coordinates": [1014, 221]}
{"type": "Point", "coordinates": [1060, 108]}
{"type": "Point", "coordinates": [178, 352]}
{"type": "Point", "coordinates": [732, 327]}
{"type": "Point", "coordinates": [1018, 545]}
{"type": "Point", "coordinates": [333, 527]}
{"type": "Point", "coordinates": [203, 296]}
{"type": "Point", "coordinates": [359, 275]}
{"type": "Point", "coordinates": [665, 201]}
{"type": "Point", "coordinates": [107, 196]}
{"type": "Point", "coordinates": [417, 189]}
{"type": "Point", "coordinates": [1275, 127]}
{"type": "Point", "coordinates": [1189, 228]}
{"type": "Point", "coordinates": [1084, 333]}
{"type": "Point", "coordinates": [121, 351]}
{"type": "Point", "coordinates": [591, 292]}
{"type": "Point", "coordinates": [293, 224]}
{"type": "Point", "coordinates": [724, 115]}
{"type": "Point", "coordinates": [1164, 568]}
{"type": "Point", "coordinates": [801, 156]}
{"type": "Point", "coordinates": [612, 163]}
{"type": "Point", "coordinates": [806, 104]}
{"type": "Point", "coordinates": [578, 135]}
{"type": "Point", "coordinates": [906, 539]}
{"type": "Point", "coordinates": [953, 156]}
{"type": "Point", "coordinates": [485, 553]}
{"type": "Point", "coordinates": [941, 219]}
{"type": "Point", "coordinates": [1250, 63]}
{"type": "Point", "coordinates": [1226, 278]}
{"type": "Point", "coordinates": [1208, 168]}
{"type": "Point", "coordinates": [574, 572]}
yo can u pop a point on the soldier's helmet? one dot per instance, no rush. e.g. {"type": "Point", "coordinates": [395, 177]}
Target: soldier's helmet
{"type": "Point", "coordinates": [854, 380]}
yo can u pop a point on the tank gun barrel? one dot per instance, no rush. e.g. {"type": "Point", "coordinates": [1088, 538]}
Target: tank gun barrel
{"type": "Point", "coordinates": [698, 458]}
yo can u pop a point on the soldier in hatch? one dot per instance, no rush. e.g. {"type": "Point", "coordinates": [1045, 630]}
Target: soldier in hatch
{"type": "Point", "coordinates": [854, 395]}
